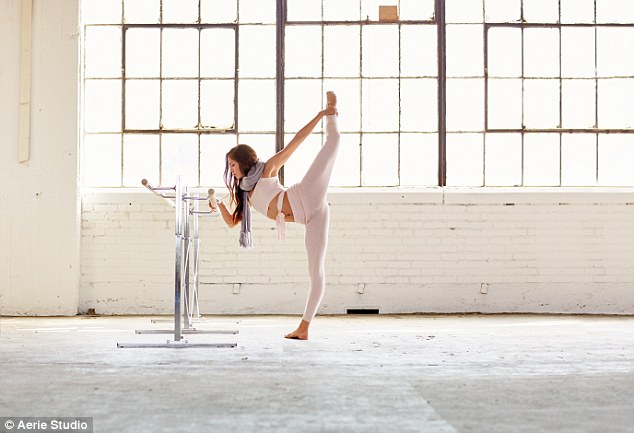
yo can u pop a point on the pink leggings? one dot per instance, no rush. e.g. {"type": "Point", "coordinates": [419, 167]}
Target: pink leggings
{"type": "Point", "coordinates": [308, 202]}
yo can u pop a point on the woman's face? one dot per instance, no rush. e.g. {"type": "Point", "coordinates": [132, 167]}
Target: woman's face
{"type": "Point", "coordinates": [234, 167]}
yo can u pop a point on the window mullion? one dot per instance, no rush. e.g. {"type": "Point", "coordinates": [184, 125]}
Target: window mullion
{"type": "Point", "coordinates": [442, 93]}
{"type": "Point", "coordinates": [279, 79]}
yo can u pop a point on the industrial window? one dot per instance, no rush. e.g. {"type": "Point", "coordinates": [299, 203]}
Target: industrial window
{"type": "Point", "coordinates": [450, 92]}
{"type": "Point", "coordinates": [558, 93]}
{"type": "Point", "coordinates": [168, 91]}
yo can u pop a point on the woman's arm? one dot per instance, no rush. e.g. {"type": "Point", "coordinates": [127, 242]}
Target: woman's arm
{"type": "Point", "coordinates": [226, 215]}
{"type": "Point", "coordinates": [276, 162]}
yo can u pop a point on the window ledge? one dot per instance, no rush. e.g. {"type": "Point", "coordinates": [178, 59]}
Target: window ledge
{"type": "Point", "coordinates": [487, 195]}
{"type": "Point", "coordinates": [429, 195]}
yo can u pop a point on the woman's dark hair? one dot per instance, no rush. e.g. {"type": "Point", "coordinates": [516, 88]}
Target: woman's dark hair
{"type": "Point", "coordinates": [246, 158]}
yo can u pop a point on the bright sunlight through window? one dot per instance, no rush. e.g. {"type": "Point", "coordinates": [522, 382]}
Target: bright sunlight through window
{"type": "Point", "coordinates": [536, 92]}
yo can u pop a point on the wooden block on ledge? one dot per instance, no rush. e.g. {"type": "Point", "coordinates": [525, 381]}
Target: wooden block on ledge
{"type": "Point", "coordinates": [388, 13]}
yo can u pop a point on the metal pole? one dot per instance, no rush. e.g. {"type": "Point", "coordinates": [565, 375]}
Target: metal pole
{"type": "Point", "coordinates": [167, 198]}
{"type": "Point", "coordinates": [178, 262]}
{"type": "Point", "coordinates": [186, 245]}
{"type": "Point", "coordinates": [196, 258]}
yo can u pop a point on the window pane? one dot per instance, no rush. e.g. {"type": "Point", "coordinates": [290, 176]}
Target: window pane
{"type": "Point", "coordinates": [419, 159]}
{"type": "Point", "coordinates": [541, 160]}
{"type": "Point", "coordinates": [342, 51]}
{"type": "Point", "coordinates": [615, 11]}
{"type": "Point", "coordinates": [256, 107]}
{"type": "Point", "coordinates": [379, 154]}
{"type": "Point", "coordinates": [502, 11]}
{"type": "Point", "coordinates": [419, 105]}
{"type": "Point", "coordinates": [140, 159]}
{"type": "Point", "coordinates": [380, 105]}
{"type": "Point", "coordinates": [464, 11]}
{"type": "Point", "coordinates": [503, 160]}
{"type": "Point", "coordinates": [218, 11]}
{"type": "Point", "coordinates": [541, 52]}
{"type": "Point", "coordinates": [142, 11]}
{"type": "Point", "coordinates": [579, 159]}
{"type": "Point", "coordinates": [380, 51]}
{"type": "Point", "coordinates": [616, 159]}
{"type": "Point", "coordinates": [213, 149]}
{"type": "Point", "coordinates": [541, 11]}
{"type": "Point", "coordinates": [101, 11]}
{"type": "Point", "coordinates": [142, 53]}
{"type": "Point", "coordinates": [179, 157]}
{"type": "Point", "coordinates": [101, 160]}
{"type": "Point", "coordinates": [302, 102]}
{"type": "Point", "coordinates": [612, 44]}
{"type": "Point", "coordinates": [615, 103]}
{"type": "Point", "coordinates": [217, 53]}
{"type": "Point", "coordinates": [541, 104]}
{"type": "Point", "coordinates": [348, 103]}
{"type": "Point", "coordinates": [505, 104]}
{"type": "Point", "coordinates": [338, 10]}
{"type": "Point", "coordinates": [180, 104]}
{"type": "Point", "coordinates": [257, 51]}
{"type": "Point", "coordinates": [303, 10]}
{"type": "Point", "coordinates": [263, 144]}
{"type": "Point", "coordinates": [347, 166]}
{"type": "Point", "coordinates": [258, 11]}
{"type": "Point", "coordinates": [505, 52]}
{"type": "Point", "coordinates": [296, 167]}
{"type": "Point", "coordinates": [465, 50]}
{"type": "Point", "coordinates": [465, 159]}
{"type": "Point", "coordinates": [577, 11]}
{"type": "Point", "coordinates": [302, 51]}
{"type": "Point", "coordinates": [102, 106]}
{"type": "Point", "coordinates": [577, 52]}
{"type": "Point", "coordinates": [103, 52]}
{"type": "Point", "coordinates": [578, 103]}
{"type": "Point", "coordinates": [142, 103]}
{"type": "Point", "coordinates": [217, 103]}
{"type": "Point", "coordinates": [416, 9]}
{"type": "Point", "coordinates": [180, 11]}
{"type": "Point", "coordinates": [465, 104]}
{"type": "Point", "coordinates": [419, 53]}
{"type": "Point", "coordinates": [180, 53]}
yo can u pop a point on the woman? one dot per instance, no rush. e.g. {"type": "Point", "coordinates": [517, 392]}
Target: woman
{"type": "Point", "coordinates": [255, 183]}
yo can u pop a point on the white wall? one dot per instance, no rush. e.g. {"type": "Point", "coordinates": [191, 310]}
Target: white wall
{"type": "Point", "coordinates": [39, 203]}
{"type": "Point", "coordinates": [547, 251]}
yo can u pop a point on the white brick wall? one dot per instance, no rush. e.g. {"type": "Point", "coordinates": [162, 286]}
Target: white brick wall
{"type": "Point", "coordinates": [539, 250]}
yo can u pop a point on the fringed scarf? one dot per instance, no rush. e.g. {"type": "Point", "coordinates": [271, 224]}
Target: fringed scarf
{"type": "Point", "coordinates": [247, 183]}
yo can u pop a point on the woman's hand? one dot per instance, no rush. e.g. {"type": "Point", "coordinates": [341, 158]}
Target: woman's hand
{"type": "Point", "coordinates": [224, 212]}
{"type": "Point", "coordinates": [328, 111]}
{"type": "Point", "coordinates": [219, 203]}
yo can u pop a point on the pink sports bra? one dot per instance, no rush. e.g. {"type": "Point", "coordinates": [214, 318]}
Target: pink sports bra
{"type": "Point", "coordinates": [265, 190]}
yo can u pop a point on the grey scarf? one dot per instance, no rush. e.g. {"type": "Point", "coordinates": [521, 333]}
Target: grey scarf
{"type": "Point", "coordinates": [247, 183]}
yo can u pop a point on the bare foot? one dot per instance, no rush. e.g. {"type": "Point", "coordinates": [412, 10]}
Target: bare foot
{"type": "Point", "coordinates": [297, 335]}
{"type": "Point", "coordinates": [331, 99]}
{"type": "Point", "coordinates": [301, 333]}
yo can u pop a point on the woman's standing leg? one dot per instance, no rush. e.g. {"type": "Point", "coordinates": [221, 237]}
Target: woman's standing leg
{"type": "Point", "coordinates": [316, 241]}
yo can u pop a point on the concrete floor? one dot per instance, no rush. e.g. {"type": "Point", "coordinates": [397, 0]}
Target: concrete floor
{"type": "Point", "coordinates": [509, 373]}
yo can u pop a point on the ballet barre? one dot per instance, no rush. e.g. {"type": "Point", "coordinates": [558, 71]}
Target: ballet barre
{"type": "Point", "coordinates": [187, 213]}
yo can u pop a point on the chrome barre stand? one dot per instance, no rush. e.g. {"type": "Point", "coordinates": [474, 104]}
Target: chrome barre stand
{"type": "Point", "coordinates": [186, 207]}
